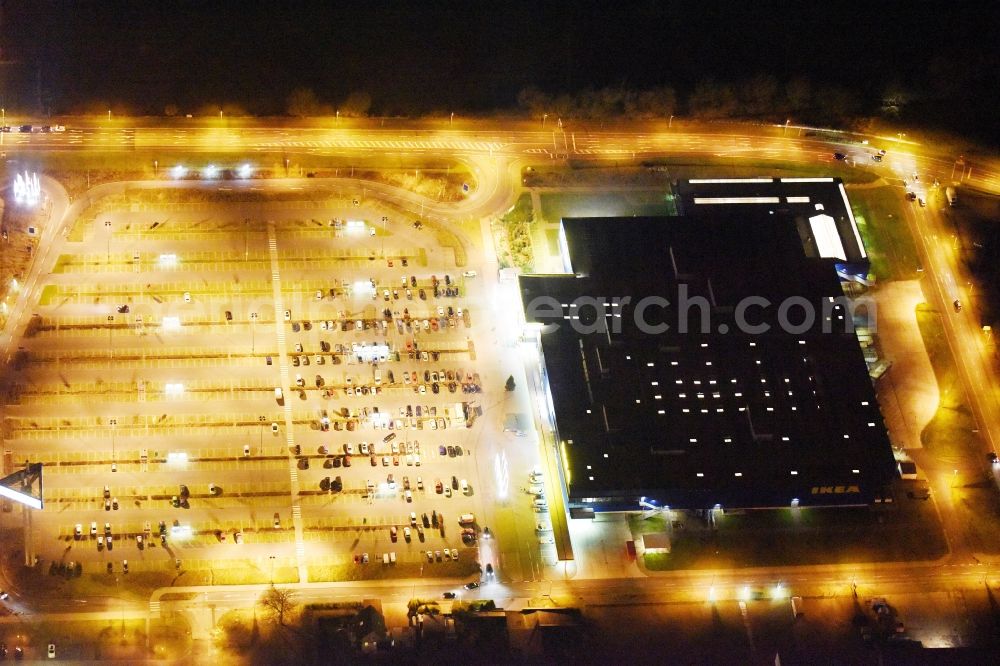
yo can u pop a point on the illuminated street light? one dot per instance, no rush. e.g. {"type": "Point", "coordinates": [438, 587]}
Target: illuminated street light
{"type": "Point", "coordinates": [14, 285]}
{"type": "Point", "coordinates": [779, 592]}
{"type": "Point", "coordinates": [171, 323]}
{"type": "Point", "coordinates": [180, 532]}
{"type": "Point", "coordinates": [178, 171]}
{"type": "Point", "coordinates": [253, 332]}
{"type": "Point", "coordinates": [210, 171]}
{"type": "Point", "coordinates": [177, 457]}
{"type": "Point", "coordinates": [174, 389]}
{"type": "Point", "coordinates": [245, 171]}
{"type": "Point", "coordinates": [168, 260]}
{"type": "Point", "coordinates": [27, 189]}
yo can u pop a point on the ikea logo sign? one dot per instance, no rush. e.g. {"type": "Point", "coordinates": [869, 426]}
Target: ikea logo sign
{"type": "Point", "coordinates": [835, 490]}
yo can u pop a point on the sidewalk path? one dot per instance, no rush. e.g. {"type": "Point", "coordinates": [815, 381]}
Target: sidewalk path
{"type": "Point", "coordinates": [908, 391]}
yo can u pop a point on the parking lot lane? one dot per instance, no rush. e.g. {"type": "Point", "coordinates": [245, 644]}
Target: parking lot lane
{"type": "Point", "coordinates": [280, 326]}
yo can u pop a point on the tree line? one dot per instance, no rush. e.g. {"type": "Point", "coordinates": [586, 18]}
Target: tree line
{"type": "Point", "coordinates": [761, 97]}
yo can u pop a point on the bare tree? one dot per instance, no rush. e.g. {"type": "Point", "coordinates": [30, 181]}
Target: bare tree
{"type": "Point", "coordinates": [798, 93]}
{"type": "Point", "coordinates": [279, 602]}
{"type": "Point", "coordinates": [534, 101]}
{"type": "Point", "coordinates": [302, 102]}
{"type": "Point", "coordinates": [712, 99]}
{"type": "Point", "coordinates": [657, 102]}
{"type": "Point", "coordinates": [357, 104]}
{"type": "Point", "coordinates": [758, 95]}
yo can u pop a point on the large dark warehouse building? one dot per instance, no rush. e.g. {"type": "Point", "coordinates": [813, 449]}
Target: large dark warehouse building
{"type": "Point", "coordinates": [741, 399]}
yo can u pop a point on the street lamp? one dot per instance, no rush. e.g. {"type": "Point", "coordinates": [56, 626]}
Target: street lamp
{"type": "Point", "coordinates": [253, 332]}
{"type": "Point", "coordinates": [271, 557]}
{"type": "Point", "coordinates": [670, 123]}
{"type": "Point", "coordinates": [107, 225]}
{"type": "Point", "coordinates": [111, 328]}
{"type": "Point", "coordinates": [544, 118]}
{"type": "Point", "coordinates": [260, 446]}
{"type": "Point", "coordinates": [114, 465]}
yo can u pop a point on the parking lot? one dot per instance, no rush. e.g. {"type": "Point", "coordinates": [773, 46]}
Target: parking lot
{"type": "Point", "coordinates": [282, 387]}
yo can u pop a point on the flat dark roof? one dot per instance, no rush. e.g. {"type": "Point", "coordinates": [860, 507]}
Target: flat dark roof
{"type": "Point", "coordinates": [801, 198]}
{"type": "Point", "coordinates": [706, 414]}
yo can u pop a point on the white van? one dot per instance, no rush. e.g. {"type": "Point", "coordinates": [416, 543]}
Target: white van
{"type": "Point", "coordinates": [278, 394]}
{"type": "Point", "coordinates": [466, 519]}
{"type": "Point", "coordinates": [465, 486]}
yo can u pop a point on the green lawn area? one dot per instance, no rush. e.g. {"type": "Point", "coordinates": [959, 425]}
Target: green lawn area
{"type": "Point", "coordinates": [786, 537]}
{"type": "Point", "coordinates": [117, 640]}
{"type": "Point", "coordinates": [701, 166]}
{"type": "Point", "coordinates": [660, 171]}
{"type": "Point", "coordinates": [885, 232]}
{"type": "Point", "coordinates": [516, 247]}
{"type": "Point", "coordinates": [950, 439]}
{"type": "Point", "coordinates": [466, 566]}
{"type": "Point", "coordinates": [558, 205]}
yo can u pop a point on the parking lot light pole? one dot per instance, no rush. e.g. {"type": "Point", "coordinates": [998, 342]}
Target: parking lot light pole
{"type": "Point", "coordinates": [246, 239]}
{"type": "Point", "coordinates": [260, 446]}
{"type": "Point", "coordinates": [111, 328]}
{"type": "Point", "coordinates": [253, 331]}
{"type": "Point", "coordinates": [113, 423]}
{"type": "Point", "coordinates": [271, 557]}
{"type": "Point", "coordinates": [107, 224]}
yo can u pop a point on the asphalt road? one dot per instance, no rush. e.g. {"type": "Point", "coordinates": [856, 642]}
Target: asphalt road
{"type": "Point", "coordinates": [497, 153]}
